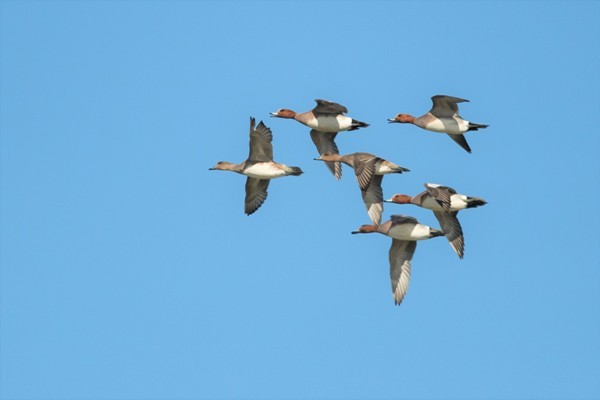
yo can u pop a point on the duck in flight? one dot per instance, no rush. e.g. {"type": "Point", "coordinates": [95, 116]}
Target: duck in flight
{"type": "Point", "coordinates": [259, 167]}
{"type": "Point", "coordinates": [443, 117]}
{"type": "Point", "coordinates": [445, 203]}
{"type": "Point", "coordinates": [325, 121]}
{"type": "Point", "coordinates": [369, 170]}
{"type": "Point", "coordinates": [404, 231]}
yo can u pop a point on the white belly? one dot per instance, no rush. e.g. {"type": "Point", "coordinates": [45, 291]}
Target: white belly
{"type": "Point", "coordinates": [330, 124]}
{"type": "Point", "coordinates": [409, 232]}
{"type": "Point", "coordinates": [264, 171]}
{"type": "Point", "coordinates": [453, 126]}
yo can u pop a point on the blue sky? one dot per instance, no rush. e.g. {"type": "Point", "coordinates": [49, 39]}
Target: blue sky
{"type": "Point", "coordinates": [129, 271]}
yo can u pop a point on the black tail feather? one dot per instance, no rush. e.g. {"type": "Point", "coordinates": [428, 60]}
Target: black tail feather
{"type": "Point", "coordinates": [357, 124]}
{"type": "Point", "coordinates": [475, 202]}
{"type": "Point", "coordinates": [475, 127]}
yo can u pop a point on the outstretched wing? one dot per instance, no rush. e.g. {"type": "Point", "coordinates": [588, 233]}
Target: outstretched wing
{"type": "Point", "coordinates": [325, 143]}
{"type": "Point", "coordinates": [445, 106]}
{"type": "Point", "coordinates": [364, 168]}
{"type": "Point", "coordinates": [256, 194]}
{"type": "Point", "coordinates": [325, 107]}
{"type": "Point", "coordinates": [462, 142]}
{"type": "Point", "coordinates": [373, 199]}
{"type": "Point", "coordinates": [453, 231]}
{"type": "Point", "coordinates": [401, 254]}
{"type": "Point", "coordinates": [261, 148]}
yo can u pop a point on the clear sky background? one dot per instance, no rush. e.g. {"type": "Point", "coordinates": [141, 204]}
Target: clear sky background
{"type": "Point", "coordinates": [129, 271]}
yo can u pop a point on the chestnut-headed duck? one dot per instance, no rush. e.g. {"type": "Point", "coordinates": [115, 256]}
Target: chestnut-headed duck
{"type": "Point", "coordinates": [325, 121]}
{"type": "Point", "coordinates": [443, 117]}
{"type": "Point", "coordinates": [445, 203]}
{"type": "Point", "coordinates": [404, 231]}
{"type": "Point", "coordinates": [259, 167]}
{"type": "Point", "coordinates": [369, 170]}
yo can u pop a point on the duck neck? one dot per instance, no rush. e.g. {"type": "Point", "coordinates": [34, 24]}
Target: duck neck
{"type": "Point", "coordinates": [333, 157]}
{"type": "Point", "coordinates": [233, 167]}
{"type": "Point", "coordinates": [367, 229]}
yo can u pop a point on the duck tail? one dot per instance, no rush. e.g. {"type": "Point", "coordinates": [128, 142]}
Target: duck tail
{"type": "Point", "coordinates": [435, 233]}
{"type": "Point", "coordinates": [401, 170]}
{"type": "Point", "coordinates": [475, 127]}
{"type": "Point", "coordinates": [296, 171]}
{"type": "Point", "coordinates": [475, 202]}
{"type": "Point", "coordinates": [357, 124]}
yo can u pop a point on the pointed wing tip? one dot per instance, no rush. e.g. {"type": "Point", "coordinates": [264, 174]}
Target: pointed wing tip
{"type": "Point", "coordinates": [459, 250]}
{"type": "Point", "coordinates": [449, 98]}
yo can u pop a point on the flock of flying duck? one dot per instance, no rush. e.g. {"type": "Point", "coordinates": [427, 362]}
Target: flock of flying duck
{"type": "Point", "coordinates": [326, 120]}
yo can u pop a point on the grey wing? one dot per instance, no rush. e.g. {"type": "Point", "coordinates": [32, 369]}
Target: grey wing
{"type": "Point", "coordinates": [445, 106]}
{"type": "Point", "coordinates": [261, 148]}
{"type": "Point", "coordinates": [364, 168]}
{"type": "Point", "coordinates": [325, 107]}
{"type": "Point", "coordinates": [453, 231]}
{"type": "Point", "coordinates": [325, 143]}
{"type": "Point", "coordinates": [401, 254]}
{"type": "Point", "coordinates": [373, 199]}
{"type": "Point", "coordinates": [462, 142]}
{"type": "Point", "coordinates": [256, 194]}
{"type": "Point", "coordinates": [401, 219]}
{"type": "Point", "coordinates": [441, 194]}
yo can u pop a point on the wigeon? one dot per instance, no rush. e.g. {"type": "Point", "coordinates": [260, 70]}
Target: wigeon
{"type": "Point", "coordinates": [259, 167]}
{"type": "Point", "coordinates": [445, 204]}
{"type": "Point", "coordinates": [443, 117]}
{"type": "Point", "coordinates": [369, 170]}
{"type": "Point", "coordinates": [404, 231]}
{"type": "Point", "coordinates": [325, 121]}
